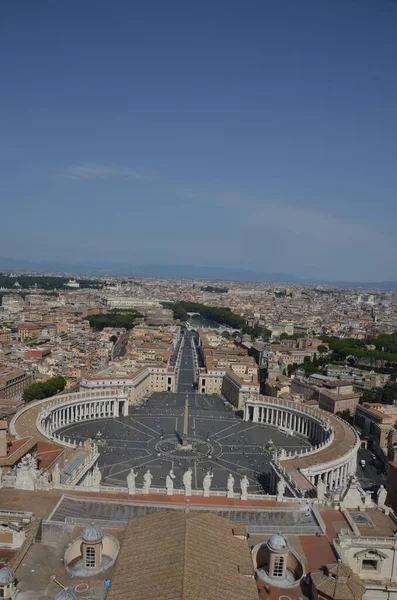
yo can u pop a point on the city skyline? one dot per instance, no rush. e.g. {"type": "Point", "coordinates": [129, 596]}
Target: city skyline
{"type": "Point", "coordinates": [258, 137]}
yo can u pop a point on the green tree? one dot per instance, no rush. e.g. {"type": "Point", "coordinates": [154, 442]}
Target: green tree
{"type": "Point", "coordinates": [113, 339]}
{"type": "Point", "coordinates": [122, 318]}
{"type": "Point", "coordinates": [293, 336]}
{"type": "Point", "coordinates": [322, 349]}
{"type": "Point", "coordinates": [38, 390]}
{"type": "Point", "coordinates": [346, 416]}
{"type": "Point", "coordinates": [292, 368]}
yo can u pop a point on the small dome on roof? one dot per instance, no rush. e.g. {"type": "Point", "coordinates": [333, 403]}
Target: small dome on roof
{"type": "Point", "coordinates": [278, 543]}
{"type": "Point", "coordinates": [7, 575]}
{"type": "Point", "coordinates": [66, 595]}
{"type": "Point", "coordinates": [92, 534]}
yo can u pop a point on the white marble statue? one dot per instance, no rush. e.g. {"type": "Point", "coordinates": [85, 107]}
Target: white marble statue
{"type": "Point", "coordinates": [169, 483]}
{"type": "Point", "coordinates": [244, 483]}
{"type": "Point", "coordinates": [32, 461]}
{"type": "Point", "coordinates": [280, 489]}
{"type": "Point", "coordinates": [147, 482]}
{"type": "Point", "coordinates": [26, 474]}
{"type": "Point", "coordinates": [382, 495]}
{"type": "Point", "coordinates": [96, 476]}
{"type": "Point", "coordinates": [187, 481]}
{"type": "Point", "coordinates": [321, 489]}
{"type": "Point", "coordinates": [56, 475]}
{"type": "Point", "coordinates": [230, 486]}
{"type": "Point", "coordinates": [132, 475]}
{"type": "Point", "coordinates": [207, 483]}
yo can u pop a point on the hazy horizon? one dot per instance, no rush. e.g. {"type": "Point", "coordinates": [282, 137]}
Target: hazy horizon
{"type": "Point", "coordinates": [181, 271]}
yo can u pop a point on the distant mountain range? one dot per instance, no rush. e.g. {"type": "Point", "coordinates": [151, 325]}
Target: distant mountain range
{"type": "Point", "coordinates": [175, 272]}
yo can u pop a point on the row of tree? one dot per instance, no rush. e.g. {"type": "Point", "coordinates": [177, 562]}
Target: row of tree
{"type": "Point", "coordinates": [122, 318]}
{"type": "Point", "coordinates": [217, 314]}
{"type": "Point", "coordinates": [38, 390]}
{"type": "Point", "coordinates": [383, 395]}
{"type": "Point", "coordinates": [385, 348]}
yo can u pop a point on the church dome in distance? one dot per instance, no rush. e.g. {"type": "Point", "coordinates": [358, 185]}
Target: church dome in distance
{"type": "Point", "coordinates": [92, 534]}
{"type": "Point", "coordinates": [65, 595]}
{"type": "Point", "coordinates": [278, 543]}
{"type": "Point", "coordinates": [7, 575]}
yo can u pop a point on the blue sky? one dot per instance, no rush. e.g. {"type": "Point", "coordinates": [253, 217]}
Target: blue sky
{"type": "Point", "coordinates": [242, 133]}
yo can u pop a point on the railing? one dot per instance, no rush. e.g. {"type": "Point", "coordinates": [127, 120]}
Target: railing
{"type": "Point", "coordinates": [16, 514]}
{"type": "Point", "coordinates": [367, 541]}
{"type": "Point", "coordinates": [162, 491]}
{"type": "Point", "coordinates": [90, 460]}
{"type": "Point", "coordinates": [288, 529]}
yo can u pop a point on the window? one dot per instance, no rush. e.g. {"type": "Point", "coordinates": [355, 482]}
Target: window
{"type": "Point", "coordinates": [278, 566]}
{"type": "Point", "coordinates": [90, 557]}
{"type": "Point", "coordinates": [369, 565]}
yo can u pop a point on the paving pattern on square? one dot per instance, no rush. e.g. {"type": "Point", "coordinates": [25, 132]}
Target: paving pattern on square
{"type": "Point", "coordinates": [148, 438]}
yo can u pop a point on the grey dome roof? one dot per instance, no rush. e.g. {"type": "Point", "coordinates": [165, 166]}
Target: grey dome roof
{"type": "Point", "coordinates": [92, 533]}
{"type": "Point", "coordinates": [7, 575]}
{"type": "Point", "coordinates": [65, 595]}
{"type": "Point", "coordinates": [278, 543]}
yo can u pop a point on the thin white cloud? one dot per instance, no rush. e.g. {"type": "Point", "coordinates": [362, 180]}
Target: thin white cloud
{"type": "Point", "coordinates": [93, 171]}
{"type": "Point", "coordinates": [258, 214]}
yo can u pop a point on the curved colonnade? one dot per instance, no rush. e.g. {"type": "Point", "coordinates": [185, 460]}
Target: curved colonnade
{"type": "Point", "coordinates": [333, 457]}
{"type": "Point", "coordinates": [42, 418]}
{"type": "Point", "coordinates": [74, 408]}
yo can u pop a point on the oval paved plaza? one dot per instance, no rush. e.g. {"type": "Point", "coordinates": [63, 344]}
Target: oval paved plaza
{"type": "Point", "coordinates": [219, 440]}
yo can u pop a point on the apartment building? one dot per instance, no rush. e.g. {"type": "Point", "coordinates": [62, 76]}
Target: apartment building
{"type": "Point", "coordinates": [147, 366]}
{"type": "Point", "coordinates": [35, 330]}
{"type": "Point", "coordinates": [235, 388]}
{"type": "Point", "coordinates": [337, 396]}
{"type": "Point", "coordinates": [5, 336]}
{"type": "Point", "coordinates": [228, 370]}
{"type": "Point", "coordinates": [134, 379]}
{"type": "Point", "coordinates": [12, 384]}
{"type": "Point", "coordinates": [375, 422]}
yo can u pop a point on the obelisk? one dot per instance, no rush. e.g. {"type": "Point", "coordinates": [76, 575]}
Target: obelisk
{"type": "Point", "coordinates": [185, 422]}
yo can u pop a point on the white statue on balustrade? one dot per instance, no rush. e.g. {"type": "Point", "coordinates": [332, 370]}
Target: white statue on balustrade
{"type": "Point", "coordinates": [280, 489]}
{"type": "Point", "coordinates": [56, 475]}
{"type": "Point", "coordinates": [207, 483]}
{"type": "Point", "coordinates": [96, 476]}
{"type": "Point", "coordinates": [321, 489]}
{"type": "Point", "coordinates": [230, 486]}
{"type": "Point", "coordinates": [147, 482]}
{"type": "Point", "coordinates": [381, 496]}
{"type": "Point", "coordinates": [187, 481]}
{"type": "Point", "coordinates": [26, 473]}
{"type": "Point", "coordinates": [132, 475]}
{"type": "Point", "coordinates": [244, 484]}
{"type": "Point", "coordinates": [169, 483]}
